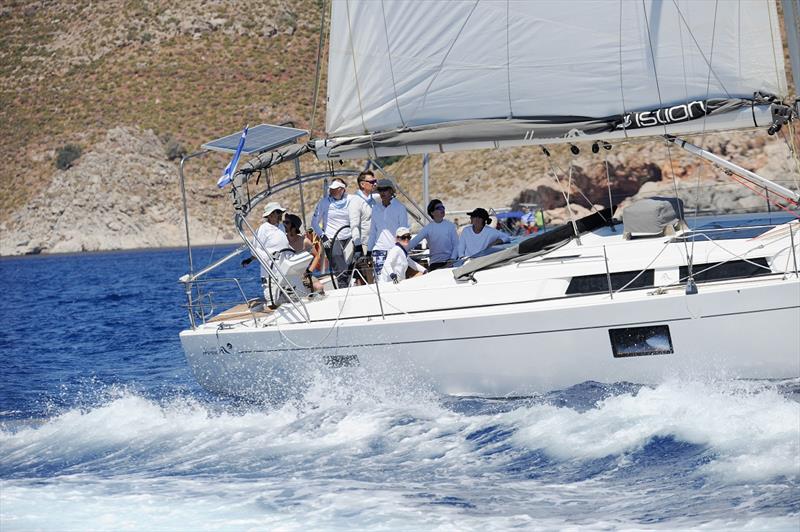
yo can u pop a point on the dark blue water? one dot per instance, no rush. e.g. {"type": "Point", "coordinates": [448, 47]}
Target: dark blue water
{"type": "Point", "coordinates": [102, 427]}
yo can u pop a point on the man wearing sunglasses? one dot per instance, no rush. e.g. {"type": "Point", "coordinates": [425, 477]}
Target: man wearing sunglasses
{"type": "Point", "coordinates": [388, 216]}
{"type": "Point", "coordinates": [361, 211]}
{"type": "Point", "coordinates": [441, 235]}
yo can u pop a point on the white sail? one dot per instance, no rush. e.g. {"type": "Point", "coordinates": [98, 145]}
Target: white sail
{"type": "Point", "coordinates": [419, 64]}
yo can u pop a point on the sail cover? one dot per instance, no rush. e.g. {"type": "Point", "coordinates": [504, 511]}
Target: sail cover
{"type": "Point", "coordinates": [521, 71]}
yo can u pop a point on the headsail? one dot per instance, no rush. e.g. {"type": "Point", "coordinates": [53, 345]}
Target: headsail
{"type": "Point", "coordinates": [409, 76]}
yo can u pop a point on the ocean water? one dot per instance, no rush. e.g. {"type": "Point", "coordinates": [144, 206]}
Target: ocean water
{"type": "Point", "coordinates": [102, 427]}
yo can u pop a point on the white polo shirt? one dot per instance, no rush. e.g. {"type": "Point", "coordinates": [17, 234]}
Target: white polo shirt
{"type": "Point", "coordinates": [471, 243]}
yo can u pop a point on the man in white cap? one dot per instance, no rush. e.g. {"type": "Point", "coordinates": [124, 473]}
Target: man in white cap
{"type": "Point", "coordinates": [388, 215]}
{"type": "Point", "coordinates": [269, 240]}
{"type": "Point", "coordinates": [397, 259]}
{"type": "Point", "coordinates": [331, 222]}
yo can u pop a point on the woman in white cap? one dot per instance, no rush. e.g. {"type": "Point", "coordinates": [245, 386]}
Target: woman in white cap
{"type": "Point", "coordinates": [331, 222]}
{"type": "Point", "coordinates": [397, 259]}
{"type": "Point", "coordinates": [269, 240]}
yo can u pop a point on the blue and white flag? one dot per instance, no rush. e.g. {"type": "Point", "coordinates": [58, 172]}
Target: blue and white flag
{"type": "Point", "coordinates": [230, 170]}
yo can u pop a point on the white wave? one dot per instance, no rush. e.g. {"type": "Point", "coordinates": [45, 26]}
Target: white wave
{"type": "Point", "coordinates": [753, 430]}
{"type": "Point", "coordinates": [353, 454]}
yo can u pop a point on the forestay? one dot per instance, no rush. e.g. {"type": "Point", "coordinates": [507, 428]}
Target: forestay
{"type": "Point", "coordinates": [413, 76]}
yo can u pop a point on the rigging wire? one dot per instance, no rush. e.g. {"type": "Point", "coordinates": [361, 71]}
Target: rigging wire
{"type": "Point", "coordinates": [355, 66]}
{"type": "Point", "coordinates": [391, 71]}
{"type": "Point", "coordinates": [590, 204]}
{"type": "Point", "coordinates": [565, 194]}
{"type": "Point", "coordinates": [508, 62]}
{"type": "Point", "coordinates": [666, 144]}
{"type": "Point", "coordinates": [791, 141]}
{"type": "Point", "coordinates": [447, 54]}
{"type": "Point", "coordinates": [699, 48]}
{"type": "Point", "coordinates": [621, 84]}
{"type": "Point", "coordinates": [765, 196]}
{"type": "Point", "coordinates": [705, 116]}
{"type": "Point", "coordinates": [318, 68]}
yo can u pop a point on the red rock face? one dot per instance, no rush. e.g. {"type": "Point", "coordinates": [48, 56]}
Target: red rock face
{"type": "Point", "coordinates": [590, 187]}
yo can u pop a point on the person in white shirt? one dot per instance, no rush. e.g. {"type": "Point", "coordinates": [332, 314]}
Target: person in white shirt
{"type": "Point", "coordinates": [269, 242]}
{"type": "Point", "coordinates": [397, 259]}
{"type": "Point", "coordinates": [331, 222]}
{"type": "Point", "coordinates": [480, 235]}
{"type": "Point", "coordinates": [361, 211]}
{"type": "Point", "coordinates": [441, 236]}
{"type": "Point", "coordinates": [388, 216]}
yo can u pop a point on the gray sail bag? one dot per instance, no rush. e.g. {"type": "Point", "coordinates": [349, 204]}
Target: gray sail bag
{"type": "Point", "coordinates": [652, 217]}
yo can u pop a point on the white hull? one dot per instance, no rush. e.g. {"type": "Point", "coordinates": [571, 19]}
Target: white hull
{"type": "Point", "coordinates": [738, 329]}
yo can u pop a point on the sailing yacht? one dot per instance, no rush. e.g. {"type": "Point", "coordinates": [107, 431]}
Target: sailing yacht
{"type": "Point", "coordinates": [599, 298]}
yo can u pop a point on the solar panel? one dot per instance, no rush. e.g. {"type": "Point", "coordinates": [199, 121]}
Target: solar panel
{"type": "Point", "coordinates": [260, 138]}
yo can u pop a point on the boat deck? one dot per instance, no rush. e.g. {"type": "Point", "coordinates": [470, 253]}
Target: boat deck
{"type": "Point", "coordinates": [252, 309]}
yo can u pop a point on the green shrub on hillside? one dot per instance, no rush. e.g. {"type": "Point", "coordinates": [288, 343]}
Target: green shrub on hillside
{"type": "Point", "coordinates": [388, 161]}
{"type": "Point", "coordinates": [66, 155]}
{"type": "Point", "coordinates": [173, 148]}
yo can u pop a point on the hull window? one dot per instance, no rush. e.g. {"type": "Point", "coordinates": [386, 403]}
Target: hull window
{"type": "Point", "coordinates": [595, 284]}
{"type": "Point", "coordinates": [735, 269]}
{"type": "Point", "coordinates": [640, 341]}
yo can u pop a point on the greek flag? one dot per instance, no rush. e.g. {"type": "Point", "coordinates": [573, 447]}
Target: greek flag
{"type": "Point", "coordinates": [230, 170]}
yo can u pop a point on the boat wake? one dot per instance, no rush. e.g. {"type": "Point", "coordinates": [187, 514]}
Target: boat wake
{"type": "Point", "coordinates": [677, 454]}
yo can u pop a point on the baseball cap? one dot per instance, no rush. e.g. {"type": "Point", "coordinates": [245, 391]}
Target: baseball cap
{"type": "Point", "coordinates": [385, 183]}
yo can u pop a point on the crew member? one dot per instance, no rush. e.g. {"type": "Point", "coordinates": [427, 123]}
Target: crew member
{"type": "Point", "coordinates": [397, 259]}
{"type": "Point", "coordinates": [480, 235]}
{"type": "Point", "coordinates": [269, 242]}
{"type": "Point", "coordinates": [331, 222]}
{"type": "Point", "coordinates": [361, 206]}
{"type": "Point", "coordinates": [441, 236]}
{"type": "Point", "coordinates": [388, 216]}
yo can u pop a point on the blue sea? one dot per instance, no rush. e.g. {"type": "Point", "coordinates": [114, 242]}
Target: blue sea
{"type": "Point", "coordinates": [103, 427]}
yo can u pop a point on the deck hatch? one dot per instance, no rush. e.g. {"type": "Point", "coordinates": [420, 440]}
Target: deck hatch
{"type": "Point", "coordinates": [735, 269]}
{"type": "Point", "coordinates": [597, 283]}
{"type": "Point", "coordinates": [640, 341]}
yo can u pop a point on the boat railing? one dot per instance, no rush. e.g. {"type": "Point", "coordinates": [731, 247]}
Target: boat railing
{"type": "Point", "coordinates": [279, 280]}
{"type": "Point", "coordinates": [207, 297]}
{"type": "Point", "coordinates": [702, 234]}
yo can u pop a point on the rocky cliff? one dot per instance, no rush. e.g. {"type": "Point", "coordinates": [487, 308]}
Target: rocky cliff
{"type": "Point", "coordinates": [122, 194]}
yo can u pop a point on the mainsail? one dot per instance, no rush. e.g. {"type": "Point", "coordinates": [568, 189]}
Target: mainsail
{"type": "Point", "coordinates": [416, 76]}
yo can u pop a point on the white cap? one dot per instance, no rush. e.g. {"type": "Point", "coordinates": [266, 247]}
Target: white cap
{"type": "Point", "coordinates": [336, 184]}
{"type": "Point", "coordinates": [271, 207]}
{"type": "Point", "coordinates": [402, 231]}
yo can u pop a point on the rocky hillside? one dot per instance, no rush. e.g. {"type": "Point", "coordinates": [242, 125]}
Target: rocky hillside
{"type": "Point", "coordinates": [131, 84]}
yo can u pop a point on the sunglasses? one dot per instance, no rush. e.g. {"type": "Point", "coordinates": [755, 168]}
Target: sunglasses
{"type": "Point", "coordinates": [439, 207]}
{"type": "Point", "coordinates": [384, 189]}
{"type": "Point", "coordinates": [405, 237]}
{"type": "Point", "coordinates": [371, 182]}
